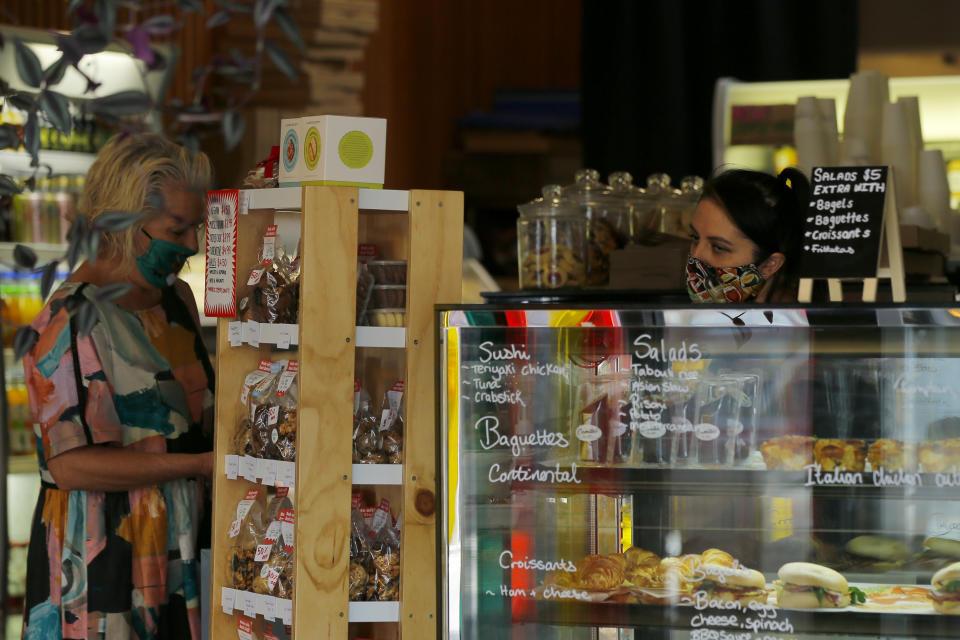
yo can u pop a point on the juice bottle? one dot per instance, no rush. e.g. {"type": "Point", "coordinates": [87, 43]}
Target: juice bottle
{"type": "Point", "coordinates": [9, 310]}
{"type": "Point", "coordinates": [51, 233]}
{"type": "Point", "coordinates": [34, 211]}
{"type": "Point", "coordinates": [32, 301]}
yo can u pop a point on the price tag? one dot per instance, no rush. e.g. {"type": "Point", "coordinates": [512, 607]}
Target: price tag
{"type": "Point", "coordinates": [283, 338]}
{"type": "Point", "coordinates": [255, 276]}
{"type": "Point", "coordinates": [244, 199]}
{"type": "Point", "coordinates": [273, 415]}
{"type": "Point", "coordinates": [272, 533]}
{"type": "Point", "coordinates": [231, 466]}
{"type": "Point", "coordinates": [248, 602]}
{"type": "Point", "coordinates": [251, 333]}
{"type": "Point", "coordinates": [235, 333]}
{"type": "Point", "coordinates": [262, 604]}
{"type": "Point", "coordinates": [263, 552]}
{"type": "Point", "coordinates": [287, 519]}
{"type": "Point", "coordinates": [268, 471]}
{"type": "Point", "coordinates": [245, 628]}
{"type": "Point", "coordinates": [287, 377]}
{"type": "Point", "coordinates": [248, 468]}
{"type": "Point", "coordinates": [235, 528]}
{"type": "Point", "coordinates": [269, 608]}
{"type": "Point", "coordinates": [285, 609]}
{"type": "Point", "coordinates": [269, 244]}
{"type": "Point", "coordinates": [227, 598]}
{"type": "Point", "coordinates": [286, 474]}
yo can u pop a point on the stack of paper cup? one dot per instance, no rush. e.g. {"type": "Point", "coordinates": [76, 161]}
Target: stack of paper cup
{"type": "Point", "coordinates": [933, 190]}
{"type": "Point", "coordinates": [828, 121]}
{"type": "Point", "coordinates": [809, 137]}
{"type": "Point", "coordinates": [869, 91]}
{"type": "Point", "coordinates": [897, 150]}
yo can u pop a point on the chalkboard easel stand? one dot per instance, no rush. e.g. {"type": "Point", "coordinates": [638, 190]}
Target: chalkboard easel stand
{"type": "Point", "coordinates": [890, 264]}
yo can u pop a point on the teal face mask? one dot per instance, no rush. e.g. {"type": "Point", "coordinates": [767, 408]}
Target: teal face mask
{"type": "Point", "coordinates": [162, 261]}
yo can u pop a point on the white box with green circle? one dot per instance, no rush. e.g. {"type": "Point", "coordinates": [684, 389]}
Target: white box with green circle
{"type": "Point", "coordinates": [338, 151]}
{"type": "Point", "coordinates": [292, 169]}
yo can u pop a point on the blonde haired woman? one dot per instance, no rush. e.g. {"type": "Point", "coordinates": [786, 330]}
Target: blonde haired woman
{"type": "Point", "coordinates": [123, 414]}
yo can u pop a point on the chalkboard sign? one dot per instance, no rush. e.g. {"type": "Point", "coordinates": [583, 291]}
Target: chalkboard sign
{"type": "Point", "coordinates": [843, 225]}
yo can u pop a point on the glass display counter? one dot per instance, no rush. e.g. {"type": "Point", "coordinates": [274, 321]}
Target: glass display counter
{"type": "Point", "coordinates": [700, 472]}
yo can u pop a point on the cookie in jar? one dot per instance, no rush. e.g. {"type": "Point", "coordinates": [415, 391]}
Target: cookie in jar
{"type": "Point", "coordinates": [551, 242]}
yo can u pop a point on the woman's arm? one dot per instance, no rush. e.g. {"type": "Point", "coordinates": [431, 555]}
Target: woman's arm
{"type": "Point", "coordinates": [101, 468]}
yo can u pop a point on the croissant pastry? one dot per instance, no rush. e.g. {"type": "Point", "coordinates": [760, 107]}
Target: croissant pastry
{"type": "Point", "coordinates": [637, 557]}
{"type": "Point", "coordinates": [599, 573]}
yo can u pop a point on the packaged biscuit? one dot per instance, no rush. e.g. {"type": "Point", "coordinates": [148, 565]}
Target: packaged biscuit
{"type": "Point", "coordinates": [385, 554]}
{"type": "Point", "coordinates": [246, 533]}
{"type": "Point", "coordinates": [275, 294]}
{"type": "Point", "coordinates": [391, 423]}
{"type": "Point", "coordinates": [273, 413]}
{"type": "Point", "coordinates": [243, 441]}
{"type": "Point", "coordinates": [367, 443]}
{"type": "Point", "coordinates": [274, 558]}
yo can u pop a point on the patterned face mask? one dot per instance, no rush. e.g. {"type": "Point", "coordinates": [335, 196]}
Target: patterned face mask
{"type": "Point", "coordinates": [722, 284]}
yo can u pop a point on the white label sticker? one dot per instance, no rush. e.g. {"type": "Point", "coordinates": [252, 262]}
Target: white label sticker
{"type": "Point", "coordinates": [235, 333]}
{"type": "Point", "coordinates": [387, 418]}
{"type": "Point", "coordinates": [244, 202]}
{"type": "Point", "coordinates": [248, 602]}
{"type": "Point", "coordinates": [251, 333]}
{"type": "Point", "coordinates": [231, 466]}
{"type": "Point", "coordinates": [268, 471]}
{"type": "Point", "coordinates": [287, 377]}
{"type": "Point", "coordinates": [652, 429]}
{"type": "Point", "coordinates": [286, 474]}
{"type": "Point", "coordinates": [255, 276]}
{"type": "Point", "coordinates": [273, 414]}
{"type": "Point", "coordinates": [287, 533]}
{"type": "Point", "coordinates": [283, 339]}
{"type": "Point", "coordinates": [269, 248]}
{"type": "Point", "coordinates": [248, 468]}
{"type": "Point", "coordinates": [270, 606]}
{"type": "Point", "coordinates": [285, 608]}
{"type": "Point", "coordinates": [235, 528]}
{"type": "Point", "coordinates": [588, 433]}
{"type": "Point", "coordinates": [273, 532]}
{"type": "Point", "coordinates": [272, 577]}
{"type": "Point", "coordinates": [243, 508]}
{"type": "Point", "coordinates": [227, 598]}
{"type": "Point", "coordinates": [263, 552]}
{"type": "Point", "coordinates": [706, 431]}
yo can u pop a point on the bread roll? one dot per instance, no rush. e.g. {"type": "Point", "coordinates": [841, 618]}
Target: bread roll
{"type": "Point", "coordinates": [789, 453]}
{"type": "Point", "coordinates": [848, 455]}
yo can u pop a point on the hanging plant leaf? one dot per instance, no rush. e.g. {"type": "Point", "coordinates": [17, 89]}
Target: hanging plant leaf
{"type": "Point", "coordinates": [28, 65]}
{"type": "Point", "coordinates": [192, 6]}
{"type": "Point", "coordinates": [162, 25]}
{"type": "Point", "coordinates": [54, 73]}
{"type": "Point", "coordinates": [237, 7]}
{"type": "Point", "coordinates": [24, 340]}
{"type": "Point", "coordinates": [8, 187]}
{"type": "Point", "coordinates": [233, 126]}
{"type": "Point", "coordinates": [263, 11]}
{"type": "Point", "coordinates": [279, 57]}
{"type": "Point", "coordinates": [769, 316]}
{"type": "Point", "coordinates": [86, 317]}
{"type": "Point", "coordinates": [112, 291]}
{"type": "Point", "coordinates": [115, 221]}
{"type": "Point", "coordinates": [89, 38]}
{"type": "Point", "coordinates": [91, 245]}
{"type": "Point", "coordinates": [74, 5]}
{"type": "Point", "coordinates": [139, 39]}
{"type": "Point", "coordinates": [48, 278]}
{"type": "Point", "coordinates": [31, 138]}
{"type": "Point", "coordinates": [289, 25]}
{"type": "Point", "coordinates": [125, 103]}
{"type": "Point", "coordinates": [219, 18]}
{"type": "Point", "coordinates": [106, 12]}
{"type": "Point", "coordinates": [9, 137]}
{"type": "Point", "coordinates": [21, 101]}
{"type": "Point", "coordinates": [73, 253]}
{"type": "Point", "coordinates": [25, 257]}
{"type": "Point", "coordinates": [57, 110]}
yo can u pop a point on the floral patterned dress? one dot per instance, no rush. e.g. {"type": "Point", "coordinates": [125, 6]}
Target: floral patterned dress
{"type": "Point", "coordinates": [125, 564]}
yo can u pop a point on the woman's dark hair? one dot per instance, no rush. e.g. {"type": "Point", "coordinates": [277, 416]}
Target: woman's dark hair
{"type": "Point", "coordinates": [767, 210]}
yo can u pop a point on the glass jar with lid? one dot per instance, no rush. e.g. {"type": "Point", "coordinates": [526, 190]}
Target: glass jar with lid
{"type": "Point", "coordinates": [551, 242]}
{"type": "Point", "coordinates": [677, 205]}
{"type": "Point", "coordinates": [608, 221]}
{"type": "Point", "coordinates": [643, 205]}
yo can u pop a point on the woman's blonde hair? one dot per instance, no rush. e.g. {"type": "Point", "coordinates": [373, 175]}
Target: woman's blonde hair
{"type": "Point", "coordinates": [130, 174]}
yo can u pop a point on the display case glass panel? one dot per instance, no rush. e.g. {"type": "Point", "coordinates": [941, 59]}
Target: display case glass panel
{"type": "Point", "coordinates": [641, 472]}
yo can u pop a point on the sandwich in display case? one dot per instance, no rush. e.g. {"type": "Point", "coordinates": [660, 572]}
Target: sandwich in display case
{"type": "Point", "coordinates": [700, 472]}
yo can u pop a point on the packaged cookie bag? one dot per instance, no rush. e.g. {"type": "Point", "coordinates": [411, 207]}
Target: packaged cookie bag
{"type": "Point", "coordinates": [274, 297]}
{"type": "Point", "coordinates": [360, 560]}
{"type": "Point", "coordinates": [243, 440]}
{"type": "Point", "coordinates": [385, 554]}
{"type": "Point", "coordinates": [391, 423]}
{"type": "Point", "coordinates": [366, 436]}
{"type": "Point", "coordinates": [246, 533]}
{"type": "Point", "coordinates": [274, 558]}
{"type": "Point", "coordinates": [273, 413]}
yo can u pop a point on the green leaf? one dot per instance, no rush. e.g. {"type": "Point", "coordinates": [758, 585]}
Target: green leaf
{"type": "Point", "coordinates": [219, 18]}
{"type": "Point", "coordinates": [115, 221]}
{"type": "Point", "coordinates": [112, 291]}
{"type": "Point", "coordinates": [161, 25]}
{"type": "Point", "coordinates": [263, 11]}
{"type": "Point", "coordinates": [87, 38]}
{"type": "Point", "coordinates": [953, 586]}
{"type": "Point", "coordinates": [91, 245]}
{"type": "Point", "coordinates": [125, 103]}
{"type": "Point", "coordinates": [24, 256]}
{"type": "Point", "coordinates": [21, 101]}
{"type": "Point", "coordinates": [54, 73]}
{"type": "Point", "coordinates": [28, 65]}
{"type": "Point", "coordinates": [819, 593]}
{"type": "Point", "coordinates": [279, 57]}
{"type": "Point", "coordinates": [191, 6]}
{"type": "Point", "coordinates": [857, 596]}
{"type": "Point", "coordinates": [48, 277]}
{"type": "Point", "coordinates": [24, 340]}
{"type": "Point", "coordinates": [238, 7]}
{"type": "Point", "coordinates": [57, 110]}
{"type": "Point", "coordinates": [31, 138]}
{"type": "Point", "coordinates": [233, 126]}
{"type": "Point", "coordinates": [283, 18]}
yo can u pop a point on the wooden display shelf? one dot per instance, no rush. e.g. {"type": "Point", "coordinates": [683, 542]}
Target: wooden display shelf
{"type": "Point", "coordinates": [426, 229]}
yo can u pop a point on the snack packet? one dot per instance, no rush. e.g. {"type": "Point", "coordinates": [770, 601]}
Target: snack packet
{"type": "Point", "coordinates": [385, 554]}
{"type": "Point", "coordinates": [367, 442]}
{"type": "Point", "coordinates": [391, 423]}
{"type": "Point", "coordinates": [273, 413]}
{"type": "Point", "coordinates": [275, 281]}
{"type": "Point", "coordinates": [246, 533]}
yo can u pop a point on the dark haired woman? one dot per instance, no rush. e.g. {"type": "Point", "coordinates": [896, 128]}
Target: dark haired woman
{"type": "Point", "coordinates": [745, 237]}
